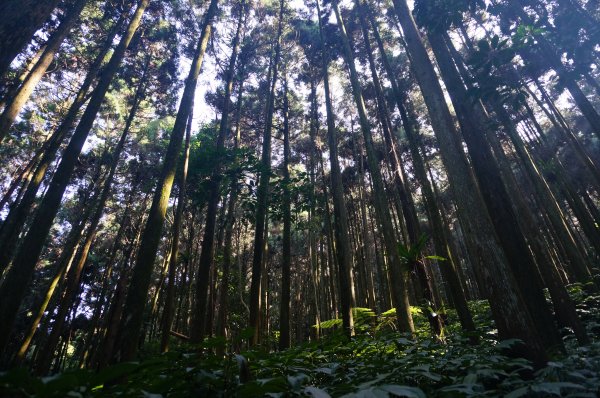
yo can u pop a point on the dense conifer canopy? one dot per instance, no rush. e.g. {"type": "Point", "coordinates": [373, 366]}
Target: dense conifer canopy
{"type": "Point", "coordinates": [288, 198]}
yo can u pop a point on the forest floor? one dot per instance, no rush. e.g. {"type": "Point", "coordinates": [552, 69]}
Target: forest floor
{"type": "Point", "coordinates": [376, 363]}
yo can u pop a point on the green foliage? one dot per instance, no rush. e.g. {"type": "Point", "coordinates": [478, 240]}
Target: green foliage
{"type": "Point", "coordinates": [363, 319]}
{"type": "Point", "coordinates": [440, 15]}
{"type": "Point", "coordinates": [495, 80]}
{"type": "Point", "coordinates": [385, 365]}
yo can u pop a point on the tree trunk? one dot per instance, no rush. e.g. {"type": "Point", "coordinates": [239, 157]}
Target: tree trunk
{"type": "Point", "coordinates": [473, 122]}
{"type": "Point", "coordinates": [508, 307]}
{"type": "Point", "coordinates": [74, 275]}
{"type": "Point", "coordinates": [15, 221]}
{"type": "Point", "coordinates": [229, 223]}
{"type": "Point", "coordinates": [133, 313]}
{"type": "Point", "coordinates": [398, 271]}
{"type": "Point", "coordinates": [17, 279]}
{"type": "Point", "coordinates": [286, 242]}
{"type": "Point", "coordinates": [15, 104]}
{"type": "Point", "coordinates": [167, 316]}
{"type": "Point", "coordinates": [263, 189]}
{"type": "Point", "coordinates": [342, 246]}
{"type": "Point", "coordinates": [26, 17]}
{"type": "Point", "coordinates": [207, 254]}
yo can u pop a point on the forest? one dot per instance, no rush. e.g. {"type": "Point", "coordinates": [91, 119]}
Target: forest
{"type": "Point", "coordinates": [286, 198]}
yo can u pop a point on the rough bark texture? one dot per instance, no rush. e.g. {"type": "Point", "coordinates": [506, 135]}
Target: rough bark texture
{"type": "Point", "coordinates": [509, 310]}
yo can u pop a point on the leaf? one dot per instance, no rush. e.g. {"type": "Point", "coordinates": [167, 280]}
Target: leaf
{"type": "Point", "coordinates": [554, 387]}
{"type": "Point", "coordinates": [114, 372]}
{"type": "Point", "coordinates": [438, 258]}
{"type": "Point", "coordinates": [508, 344]}
{"type": "Point", "coordinates": [297, 380]}
{"type": "Point", "coordinates": [246, 333]}
{"type": "Point", "coordinates": [404, 391]}
{"type": "Point", "coordinates": [471, 378]}
{"type": "Point", "coordinates": [368, 393]}
{"type": "Point", "coordinates": [519, 392]}
{"type": "Point", "coordinates": [316, 392]}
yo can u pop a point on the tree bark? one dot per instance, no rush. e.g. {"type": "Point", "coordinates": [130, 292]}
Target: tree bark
{"type": "Point", "coordinates": [341, 247]}
{"type": "Point", "coordinates": [263, 189]}
{"type": "Point", "coordinates": [398, 271]}
{"type": "Point", "coordinates": [133, 313]}
{"type": "Point", "coordinates": [26, 17]}
{"type": "Point", "coordinates": [207, 254]}
{"type": "Point", "coordinates": [15, 104]}
{"type": "Point", "coordinates": [17, 278]}
{"type": "Point", "coordinates": [286, 242]}
{"type": "Point", "coordinates": [167, 316]}
{"type": "Point", "coordinates": [508, 307]}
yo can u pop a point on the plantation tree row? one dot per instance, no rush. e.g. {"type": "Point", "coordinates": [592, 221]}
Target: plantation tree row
{"type": "Point", "coordinates": [175, 170]}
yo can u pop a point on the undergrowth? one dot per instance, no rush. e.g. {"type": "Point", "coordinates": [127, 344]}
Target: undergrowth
{"type": "Point", "coordinates": [378, 362]}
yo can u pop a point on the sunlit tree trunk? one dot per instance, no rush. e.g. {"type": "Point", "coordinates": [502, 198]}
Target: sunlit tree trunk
{"type": "Point", "coordinates": [15, 104]}
{"type": "Point", "coordinates": [473, 122]}
{"type": "Point", "coordinates": [398, 271]}
{"type": "Point", "coordinates": [17, 278]}
{"type": "Point", "coordinates": [133, 313]}
{"type": "Point", "coordinates": [167, 316]}
{"type": "Point", "coordinates": [15, 220]}
{"type": "Point", "coordinates": [208, 250]}
{"type": "Point", "coordinates": [342, 247]}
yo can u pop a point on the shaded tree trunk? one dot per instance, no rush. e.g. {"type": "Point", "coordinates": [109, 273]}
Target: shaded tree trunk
{"type": "Point", "coordinates": [508, 307]}
{"type": "Point", "coordinates": [207, 254]}
{"type": "Point", "coordinates": [26, 17]}
{"type": "Point", "coordinates": [263, 190]}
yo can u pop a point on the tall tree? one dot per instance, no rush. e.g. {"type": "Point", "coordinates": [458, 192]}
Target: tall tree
{"type": "Point", "coordinates": [133, 312]}
{"type": "Point", "coordinates": [17, 278]}
{"type": "Point", "coordinates": [398, 272]}
{"type": "Point", "coordinates": [15, 104]}
{"type": "Point", "coordinates": [508, 307]}
{"type": "Point", "coordinates": [16, 31]}
{"type": "Point", "coordinates": [207, 253]}
{"type": "Point", "coordinates": [263, 186]}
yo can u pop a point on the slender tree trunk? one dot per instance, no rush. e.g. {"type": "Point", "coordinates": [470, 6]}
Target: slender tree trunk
{"type": "Point", "coordinates": [342, 246]}
{"type": "Point", "coordinates": [15, 220]}
{"type": "Point", "coordinates": [17, 278]}
{"type": "Point", "coordinates": [263, 188]}
{"type": "Point", "coordinates": [286, 242]}
{"type": "Point", "coordinates": [133, 313]}
{"type": "Point", "coordinates": [15, 104]}
{"type": "Point", "coordinates": [74, 275]}
{"type": "Point", "coordinates": [167, 316]}
{"type": "Point", "coordinates": [553, 59]}
{"type": "Point", "coordinates": [229, 223]}
{"type": "Point", "coordinates": [440, 239]}
{"type": "Point", "coordinates": [62, 266]}
{"type": "Point", "coordinates": [208, 250]}
{"type": "Point", "coordinates": [398, 271]}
